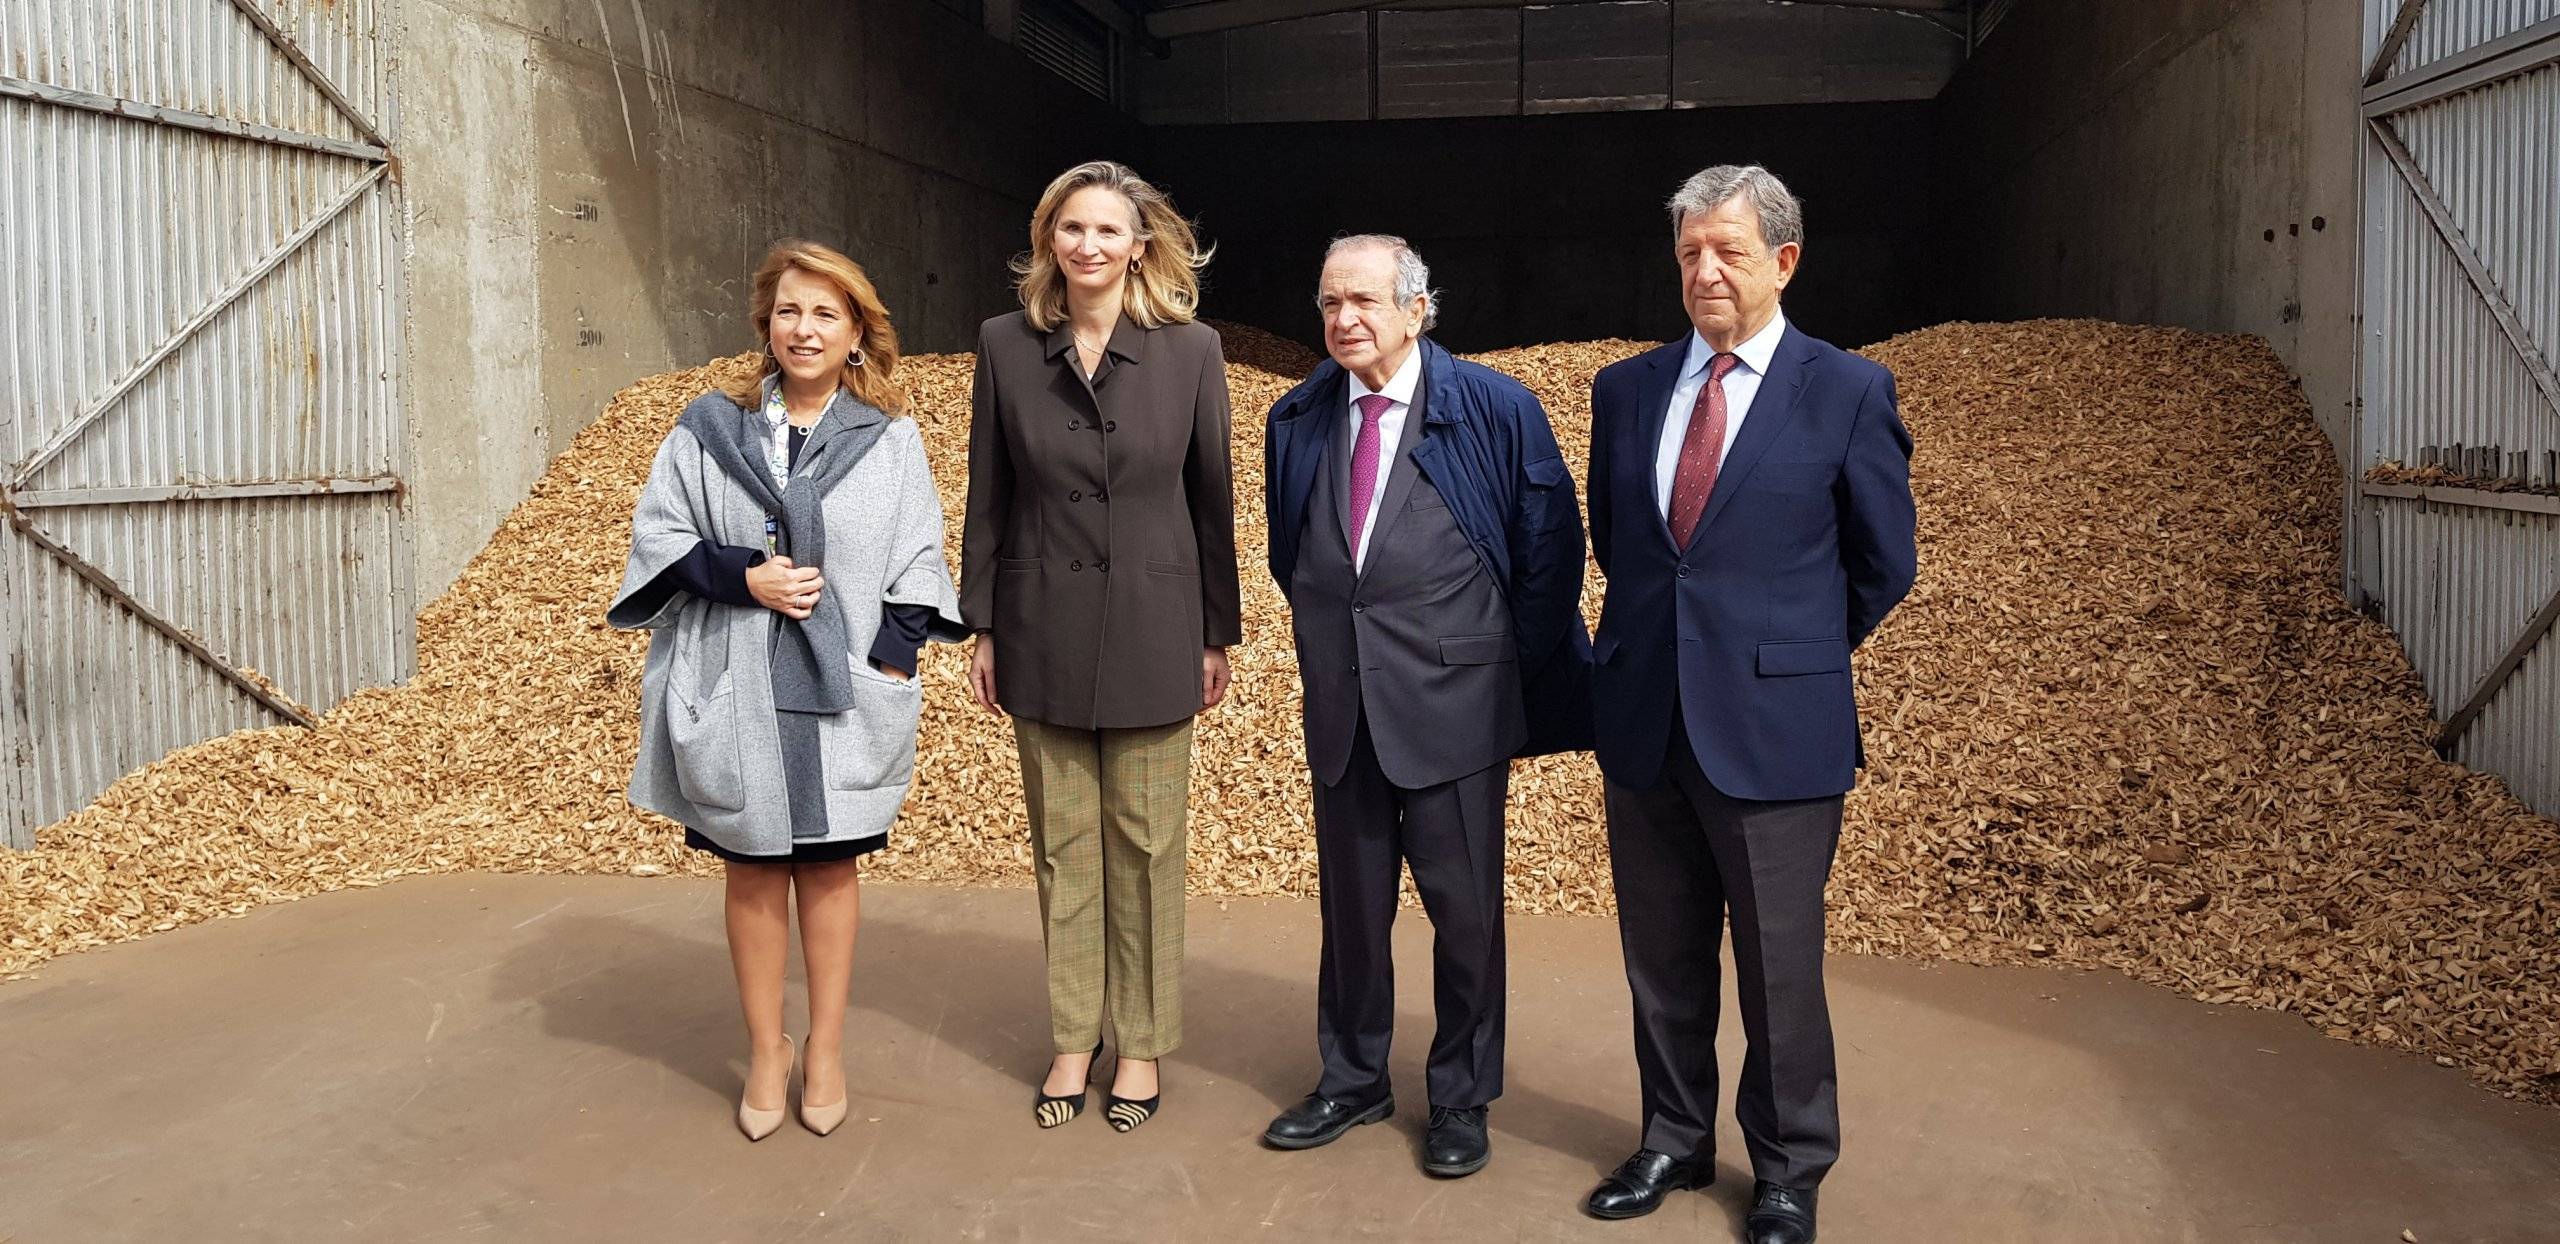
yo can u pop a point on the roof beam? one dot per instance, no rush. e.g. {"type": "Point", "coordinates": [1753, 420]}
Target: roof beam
{"type": "Point", "coordinates": [1213, 16]}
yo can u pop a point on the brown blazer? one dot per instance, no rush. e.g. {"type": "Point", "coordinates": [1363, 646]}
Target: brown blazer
{"type": "Point", "coordinates": [1100, 543]}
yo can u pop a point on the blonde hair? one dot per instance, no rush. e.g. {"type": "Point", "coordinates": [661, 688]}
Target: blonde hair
{"type": "Point", "coordinates": [1163, 289]}
{"type": "Point", "coordinates": [870, 373]}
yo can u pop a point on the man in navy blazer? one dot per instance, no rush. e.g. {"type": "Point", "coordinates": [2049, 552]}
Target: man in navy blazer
{"type": "Point", "coordinates": [1751, 508]}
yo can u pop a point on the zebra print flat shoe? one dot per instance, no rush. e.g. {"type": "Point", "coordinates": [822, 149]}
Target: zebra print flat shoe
{"type": "Point", "coordinates": [1051, 1112]}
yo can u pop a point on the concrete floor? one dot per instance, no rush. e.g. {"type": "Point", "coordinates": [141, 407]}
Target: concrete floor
{"type": "Point", "coordinates": [555, 1058]}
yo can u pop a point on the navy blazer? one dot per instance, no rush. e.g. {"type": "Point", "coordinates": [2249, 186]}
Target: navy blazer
{"type": "Point", "coordinates": [1488, 449]}
{"type": "Point", "coordinates": [1806, 542]}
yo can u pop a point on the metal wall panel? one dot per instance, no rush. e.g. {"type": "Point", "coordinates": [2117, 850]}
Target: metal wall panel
{"type": "Point", "coordinates": [2448, 28]}
{"type": "Point", "coordinates": [202, 243]}
{"type": "Point", "coordinates": [1605, 55]}
{"type": "Point", "coordinates": [2494, 155]}
{"type": "Point", "coordinates": [1449, 63]}
{"type": "Point", "coordinates": [2457, 584]}
{"type": "Point", "coordinates": [202, 55]}
{"type": "Point", "coordinates": [2461, 308]}
{"type": "Point", "coordinates": [1726, 54]}
{"type": "Point", "coordinates": [1311, 69]}
{"type": "Point", "coordinates": [1456, 58]}
{"type": "Point", "coordinates": [2446, 374]}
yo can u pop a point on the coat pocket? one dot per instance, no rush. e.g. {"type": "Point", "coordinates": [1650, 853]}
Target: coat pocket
{"type": "Point", "coordinates": [1477, 650]}
{"type": "Point", "coordinates": [872, 744]}
{"type": "Point", "coordinates": [703, 731]}
{"type": "Point", "coordinates": [1782, 657]}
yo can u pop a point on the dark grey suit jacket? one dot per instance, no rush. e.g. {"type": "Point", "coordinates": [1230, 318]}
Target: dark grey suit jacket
{"type": "Point", "coordinates": [1418, 640]}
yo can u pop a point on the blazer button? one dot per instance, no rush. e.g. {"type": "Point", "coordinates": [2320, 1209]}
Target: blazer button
{"type": "Point", "coordinates": [1359, 606]}
{"type": "Point", "coordinates": [1100, 495]}
{"type": "Point", "coordinates": [1075, 565]}
{"type": "Point", "coordinates": [1110, 425]}
{"type": "Point", "coordinates": [1684, 572]}
{"type": "Point", "coordinates": [1074, 495]}
{"type": "Point", "coordinates": [1103, 566]}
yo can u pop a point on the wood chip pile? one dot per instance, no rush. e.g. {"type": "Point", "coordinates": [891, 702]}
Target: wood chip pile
{"type": "Point", "coordinates": [2124, 720]}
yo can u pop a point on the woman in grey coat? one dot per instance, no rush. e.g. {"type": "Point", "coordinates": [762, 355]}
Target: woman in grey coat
{"type": "Point", "coordinates": [787, 555]}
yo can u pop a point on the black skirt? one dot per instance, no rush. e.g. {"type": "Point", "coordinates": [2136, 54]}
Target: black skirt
{"type": "Point", "coordinates": [801, 852]}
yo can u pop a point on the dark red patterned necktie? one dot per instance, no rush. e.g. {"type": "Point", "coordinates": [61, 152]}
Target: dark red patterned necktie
{"type": "Point", "coordinates": [1701, 453]}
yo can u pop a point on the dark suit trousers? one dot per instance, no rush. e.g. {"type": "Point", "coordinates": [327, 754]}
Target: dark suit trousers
{"type": "Point", "coordinates": [1684, 856]}
{"type": "Point", "coordinates": [1366, 828]}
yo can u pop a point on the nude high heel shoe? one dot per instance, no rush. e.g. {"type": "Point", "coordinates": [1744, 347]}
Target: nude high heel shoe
{"type": "Point", "coordinates": [821, 1119]}
{"type": "Point", "coordinates": [758, 1124]}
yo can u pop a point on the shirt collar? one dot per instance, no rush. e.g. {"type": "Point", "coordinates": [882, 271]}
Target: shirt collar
{"type": "Point", "coordinates": [1755, 353]}
{"type": "Point", "coordinates": [1128, 341]}
{"type": "Point", "coordinates": [1400, 386]}
{"type": "Point", "coordinates": [776, 409]}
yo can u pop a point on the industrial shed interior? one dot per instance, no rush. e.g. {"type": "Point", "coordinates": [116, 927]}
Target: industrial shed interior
{"type": "Point", "coordinates": [312, 291]}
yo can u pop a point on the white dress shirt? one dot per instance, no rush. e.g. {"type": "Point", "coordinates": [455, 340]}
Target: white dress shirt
{"type": "Point", "coordinates": [1399, 391]}
{"type": "Point", "coordinates": [1740, 386]}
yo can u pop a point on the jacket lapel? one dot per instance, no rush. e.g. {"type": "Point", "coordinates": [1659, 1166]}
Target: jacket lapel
{"type": "Point", "coordinates": [1305, 439]}
{"type": "Point", "coordinates": [1653, 401]}
{"type": "Point", "coordinates": [1772, 409]}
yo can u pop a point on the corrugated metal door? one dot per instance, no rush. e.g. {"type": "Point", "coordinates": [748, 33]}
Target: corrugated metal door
{"type": "Point", "coordinates": [2461, 277]}
{"type": "Point", "coordinates": [199, 240]}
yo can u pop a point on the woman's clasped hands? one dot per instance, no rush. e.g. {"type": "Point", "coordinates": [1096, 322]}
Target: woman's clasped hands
{"type": "Point", "coordinates": [783, 587]}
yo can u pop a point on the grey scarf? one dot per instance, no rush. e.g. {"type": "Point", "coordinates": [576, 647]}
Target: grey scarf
{"type": "Point", "coordinates": [810, 670]}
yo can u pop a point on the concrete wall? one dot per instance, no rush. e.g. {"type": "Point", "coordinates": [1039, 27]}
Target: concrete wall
{"type": "Point", "coordinates": [2184, 162]}
{"type": "Point", "coordinates": [589, 183]}
{"type": "Point", "coordinates": [1551, 228]}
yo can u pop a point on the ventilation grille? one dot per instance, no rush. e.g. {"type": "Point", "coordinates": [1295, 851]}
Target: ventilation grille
{"type": "Point", "coordinates": [1068, 42]}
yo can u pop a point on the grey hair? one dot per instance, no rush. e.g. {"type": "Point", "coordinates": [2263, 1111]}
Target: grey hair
{"type": "Point", "coordinates": [1781, 216]}
{"type": "Point", "coordinates": [1413, 277]}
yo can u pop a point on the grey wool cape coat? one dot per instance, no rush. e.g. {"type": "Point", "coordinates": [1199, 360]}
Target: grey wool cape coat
{"type": "Point", "coordinates": [710, 747]}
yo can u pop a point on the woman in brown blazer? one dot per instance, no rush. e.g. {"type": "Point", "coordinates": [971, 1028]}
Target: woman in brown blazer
{"type": "Point", "coordinates": [1098, 569]}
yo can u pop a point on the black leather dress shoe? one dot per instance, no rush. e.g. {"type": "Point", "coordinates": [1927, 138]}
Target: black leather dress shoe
{"type": "Point", "coordinates": [1637, 1187]}
{"type": "Point", "coordinates": [1319, 1120]}
{"type": "Point", "coordinates": [1457, 1144]}
{"type": "Point", "coordinates": [1780, 1215]}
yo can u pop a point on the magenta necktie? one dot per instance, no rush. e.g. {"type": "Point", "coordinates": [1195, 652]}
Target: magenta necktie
{"type": "Point", "coordinates": [1701, 454]}
{"type": "Point", "coordinates": [1364, 465]}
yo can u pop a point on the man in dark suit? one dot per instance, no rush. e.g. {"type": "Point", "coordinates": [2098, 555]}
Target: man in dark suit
{"type": "Point", "coordinates": [1751, 508]}
{"type": "Point", "coordinates": [1423, 528]}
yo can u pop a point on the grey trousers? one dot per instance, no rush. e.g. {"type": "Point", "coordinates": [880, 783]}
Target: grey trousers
{"type": "Point", "coordinates": [1367, 830]}
{"type": "Point", "coordinates": [1684, 856]}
